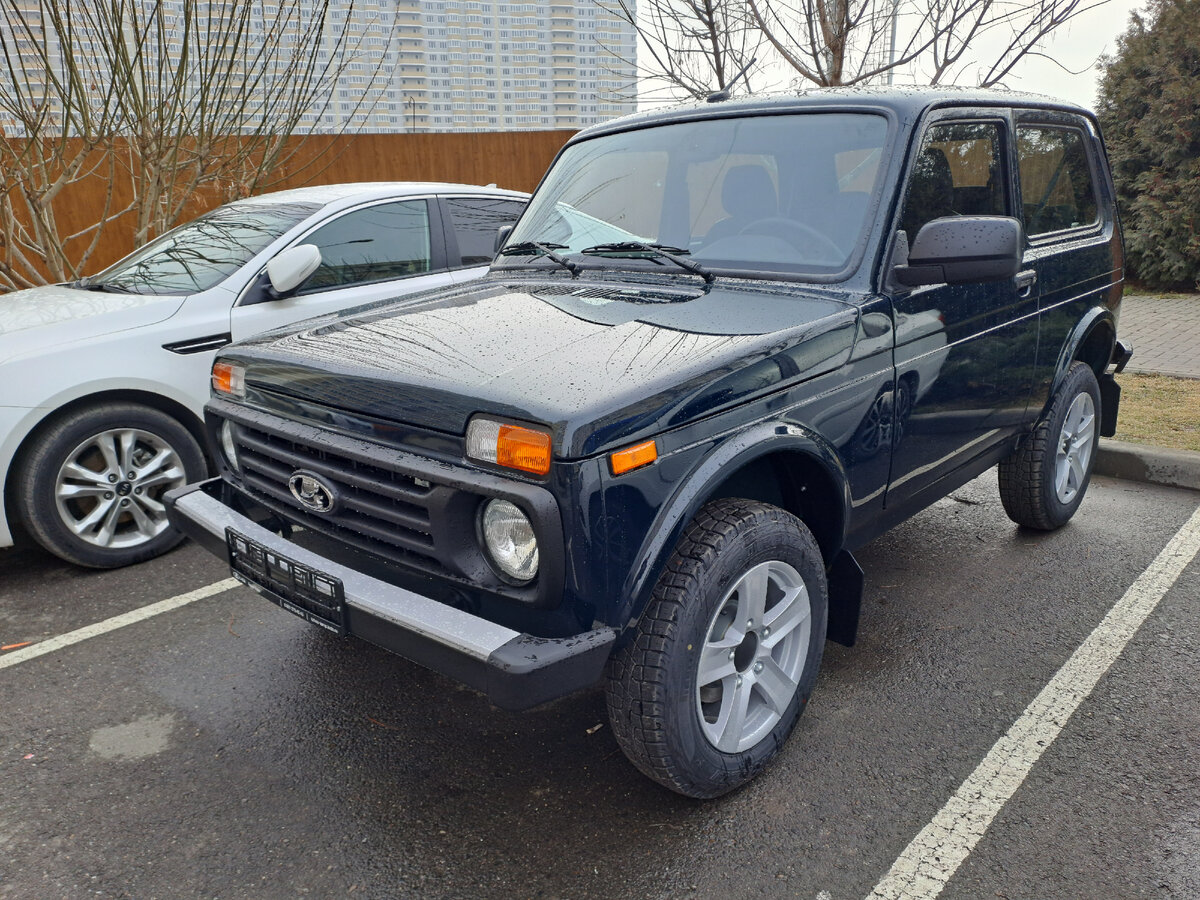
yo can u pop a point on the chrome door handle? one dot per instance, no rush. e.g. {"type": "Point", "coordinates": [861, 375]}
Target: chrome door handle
{"type": "Point", "coordinates": [1025, 282]}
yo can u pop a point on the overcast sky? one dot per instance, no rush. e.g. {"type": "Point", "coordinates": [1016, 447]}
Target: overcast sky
{"type": "Point", "coordinates": [1076, 46]}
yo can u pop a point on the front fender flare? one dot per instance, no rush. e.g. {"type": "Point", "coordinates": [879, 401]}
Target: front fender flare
{"type": "Point", "coordinates": [737, 450]}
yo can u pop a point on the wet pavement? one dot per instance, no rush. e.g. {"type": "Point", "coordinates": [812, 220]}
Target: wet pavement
{"type": "Point", "coordinates": [226, 749]}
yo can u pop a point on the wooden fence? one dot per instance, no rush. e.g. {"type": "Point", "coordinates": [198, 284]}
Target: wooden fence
{"type": "Point", "coordinates": [509, 159]}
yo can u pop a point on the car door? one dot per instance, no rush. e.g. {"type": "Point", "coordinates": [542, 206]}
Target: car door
{"type": "Point", "coordinates": [372, 252]}
{"type": "Point", "coordinates": [964, 352]}
{"type": "Point", "coordinates": [1070, 223]}
{"type": "Point", "coordinates": [471, 225]}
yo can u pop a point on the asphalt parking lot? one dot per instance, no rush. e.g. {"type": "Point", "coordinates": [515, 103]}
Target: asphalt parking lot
{"type": "Point", "coordinates": [224, 748]}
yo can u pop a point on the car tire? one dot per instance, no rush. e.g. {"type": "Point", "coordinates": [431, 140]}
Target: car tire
{"type": "Point", "coordinates": [688, 699]}
{"type": "Point", "coordinates": [74, 492]}
{"type": "Point", "coordinates": [1043, 482]}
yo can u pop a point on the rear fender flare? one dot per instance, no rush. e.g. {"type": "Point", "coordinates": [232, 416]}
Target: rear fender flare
{"type": "Point", "coordinates": [1097, 317]}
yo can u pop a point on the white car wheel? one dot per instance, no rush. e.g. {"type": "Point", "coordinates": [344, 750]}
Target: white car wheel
{"type": "Point", "coordinates": [91, 489]}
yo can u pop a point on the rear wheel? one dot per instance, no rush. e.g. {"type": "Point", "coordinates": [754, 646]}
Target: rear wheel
{"type": "Point", "coordinates": [726, 655]}
{"type": "Point", "coordinates": [90, 491]}
{"type": "Point", "coordinates": [1043, 482]}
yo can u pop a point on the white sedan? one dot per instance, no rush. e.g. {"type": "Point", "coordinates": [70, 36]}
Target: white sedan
{"type": "Point", "coordinates": [103, 381]}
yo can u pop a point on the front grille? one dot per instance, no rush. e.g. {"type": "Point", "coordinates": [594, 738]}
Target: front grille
{"type": "Point", "coordinates": [379, 510]}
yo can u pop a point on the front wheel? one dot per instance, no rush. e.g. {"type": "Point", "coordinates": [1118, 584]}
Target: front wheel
{"type": "Point", "coordinates": [1043, 482]}
{"type": "Point", "coordinates": [727, 652]}
{"type": "Point", "coordinates": [90, 491]}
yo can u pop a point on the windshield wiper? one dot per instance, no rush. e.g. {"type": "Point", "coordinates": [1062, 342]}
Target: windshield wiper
{"type": "Point", "coordinates": [109, 287]}
{"type": "Point", "coordinates": [542, 248]}
{"type": "Point", "coordinates": [638, 249]}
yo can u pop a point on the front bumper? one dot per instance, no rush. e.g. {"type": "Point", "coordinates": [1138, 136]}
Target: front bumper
{"type": "Point", "coordinates": [514, 670]}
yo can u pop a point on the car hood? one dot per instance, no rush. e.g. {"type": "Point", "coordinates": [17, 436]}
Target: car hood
{"type": "Point", "coordinates": [602, 364]}
{"type": "Point", "coordinates": [45, 317]}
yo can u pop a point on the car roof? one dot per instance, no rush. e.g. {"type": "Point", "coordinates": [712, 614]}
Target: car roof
{"type": "Point", "coordinates": [907, 102]}
{"type": "Point", "coordinates": [356, 192]}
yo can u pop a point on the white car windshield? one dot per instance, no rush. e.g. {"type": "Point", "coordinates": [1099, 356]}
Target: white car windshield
{"type": "Point", "coordinates": [201, 254]}
{"type": "Point", "coordinates": [780, 193]}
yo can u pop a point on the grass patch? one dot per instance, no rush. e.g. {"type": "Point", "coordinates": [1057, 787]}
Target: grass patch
{"type": "Point", "coordinates": [1136, 290]}
{"type": "Point", "coordinates": [1160, 411]}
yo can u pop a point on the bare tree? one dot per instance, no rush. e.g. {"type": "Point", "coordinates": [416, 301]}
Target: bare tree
{"type": "Point", "coordinates": [695, 47]}
{"type": "Point", "coordinates": [165, 100]}
{"type": "Point", "coordinates": [847, 42]}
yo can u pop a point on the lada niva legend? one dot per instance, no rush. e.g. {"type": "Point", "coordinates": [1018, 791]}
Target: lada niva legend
{"type": "Point", "coordinates": [725, 345]}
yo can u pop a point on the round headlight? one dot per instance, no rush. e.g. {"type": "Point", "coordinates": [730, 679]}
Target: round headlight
{"type": "Point", "coordinates": [228, 447]}
{"type": "Point", "coordinates": [510, 541]}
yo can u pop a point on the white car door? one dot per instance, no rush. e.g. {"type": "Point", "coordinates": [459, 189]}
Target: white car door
{"type": "Point", "coordinates": [373, 252]}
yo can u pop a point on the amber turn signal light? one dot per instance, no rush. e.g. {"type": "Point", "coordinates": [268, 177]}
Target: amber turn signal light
{"type": "Point", "coordinates": [229, 379]}
{"type": "Point", "coordinates": [524, 449]}
{"type": "Point", "coordinates": [511, 446]}
{"type": "Point", "coordinates": [634, 457]}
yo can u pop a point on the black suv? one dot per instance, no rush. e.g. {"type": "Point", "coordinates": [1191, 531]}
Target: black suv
{"type": "Point", "coordinates": [725, 345]}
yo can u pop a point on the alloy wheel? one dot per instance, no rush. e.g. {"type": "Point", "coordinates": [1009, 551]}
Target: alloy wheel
{"type": "Point", "coordinates": [1075, 444]}
{"type": "Point", "coordinates": [109, 489]}
{"type": "Point", "coordinates": [753, 656]}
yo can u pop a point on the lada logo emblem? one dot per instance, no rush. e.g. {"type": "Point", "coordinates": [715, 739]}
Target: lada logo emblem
{"type": "Point", "coordinates": [312, 493]}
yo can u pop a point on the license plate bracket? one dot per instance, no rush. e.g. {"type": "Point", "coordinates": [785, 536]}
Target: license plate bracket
{"type": "Point", "coordinates": [313, 595]}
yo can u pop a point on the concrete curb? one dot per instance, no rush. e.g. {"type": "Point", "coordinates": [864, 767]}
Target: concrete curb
{"type": "Point", "coordinates": [1153, 465]}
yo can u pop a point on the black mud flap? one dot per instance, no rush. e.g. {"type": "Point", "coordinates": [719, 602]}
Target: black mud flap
{"type": "Point", "coordinates": [845, 599]}
{"type": "Point", "coordinates": [1110, 391]}
{"type": "Point", "coordinates": [1110, 402]}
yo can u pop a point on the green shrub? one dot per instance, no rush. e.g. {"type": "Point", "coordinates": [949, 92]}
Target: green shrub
{"type": "Point", "coordinates": [1149, 106]}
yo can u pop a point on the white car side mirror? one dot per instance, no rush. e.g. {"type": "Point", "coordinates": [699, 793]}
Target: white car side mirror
{"type": "Point", "coordinates": [289, 269]}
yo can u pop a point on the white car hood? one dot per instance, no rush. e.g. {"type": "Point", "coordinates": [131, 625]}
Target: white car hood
{"type": "Point", "coordinates": [45, 317]}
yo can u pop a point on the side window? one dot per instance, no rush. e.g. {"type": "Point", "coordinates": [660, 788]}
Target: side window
{"type": "Point", "coordinates": [476, 220]}
{"type": "Point", "coordinates": [1056, 181]}
{"type": "Point", "coordinates": [957, 173]}
{"type": "Point", "coordinates": [379, 243]}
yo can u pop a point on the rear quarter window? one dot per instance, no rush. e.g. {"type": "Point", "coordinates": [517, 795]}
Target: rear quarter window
{"type": "Point", "coordinates": [476, 221]}
{"type": "Point", "coordinates": [1057, 190]}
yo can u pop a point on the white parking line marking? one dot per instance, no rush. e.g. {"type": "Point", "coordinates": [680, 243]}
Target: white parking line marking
{"type": "Point", "coordinates": [130, 618]}
{"type": "Point", "coordinates": [922, 870]}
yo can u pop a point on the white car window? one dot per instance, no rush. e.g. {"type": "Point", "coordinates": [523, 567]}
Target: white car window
{"type": "Point", "coordinates": [379, 243]}
{"type": "Point", "coordinates": [476, 221]}
{"type": "Point", "coordinates": [201, 254]}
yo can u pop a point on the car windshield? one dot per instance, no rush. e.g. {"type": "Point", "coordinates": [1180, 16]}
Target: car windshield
{"type": "Point", "coordinates": [779, 193]}
{"type": "Point", "coordinates": [199, 255]}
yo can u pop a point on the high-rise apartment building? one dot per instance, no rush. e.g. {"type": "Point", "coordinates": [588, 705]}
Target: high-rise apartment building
{"type": "Point", "coordinates": [432, 65]}
{"type": "Point", "coordinates": [473, 65]}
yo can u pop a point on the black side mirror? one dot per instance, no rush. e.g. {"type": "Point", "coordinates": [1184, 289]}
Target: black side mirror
{"type": "Point", "coordinates": [502, 234]}
{"type": "Point", "coordinates": [963, 250]}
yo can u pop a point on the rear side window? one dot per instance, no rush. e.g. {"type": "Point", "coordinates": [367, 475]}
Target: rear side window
{"type": "Point", "coordinates": [1057, 192]}
{"type": "Point", "coordinates": [958, 173]}
{"type": "Point", "coordinates": [476, 220]}
{"type": "Point", "coordinates": [379, 243]}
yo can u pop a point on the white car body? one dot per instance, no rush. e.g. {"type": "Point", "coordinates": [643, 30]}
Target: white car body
{"type": "Point", "coordinates": [62, 346]}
